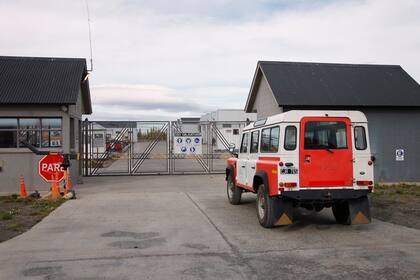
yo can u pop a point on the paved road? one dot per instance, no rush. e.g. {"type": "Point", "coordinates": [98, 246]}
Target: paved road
{"type": "Point", "coordinates": [182, 227]}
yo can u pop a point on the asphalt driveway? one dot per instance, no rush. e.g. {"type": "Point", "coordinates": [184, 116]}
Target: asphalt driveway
{"type": "Point", "coordinates": [182, 227]}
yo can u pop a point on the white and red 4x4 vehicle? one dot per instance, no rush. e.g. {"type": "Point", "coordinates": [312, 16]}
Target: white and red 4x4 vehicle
{"type": "Point", "coordinates": [310, 159]}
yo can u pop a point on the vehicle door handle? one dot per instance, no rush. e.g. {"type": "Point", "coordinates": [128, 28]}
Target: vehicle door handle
{"type": "Point", "coordinates": [307, 158]}
{"type": "Point", "coordinates": [243, 166]}
{"type": "Point", "coordinates": [253, 167]}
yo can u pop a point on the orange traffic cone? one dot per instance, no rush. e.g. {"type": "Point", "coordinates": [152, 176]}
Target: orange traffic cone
{"type": "Point", "coordinates": [23, 193]}
{"type": "Point", "coordinates": [55, 187]}
{"type": "Point", "coordinates": [68, 183]}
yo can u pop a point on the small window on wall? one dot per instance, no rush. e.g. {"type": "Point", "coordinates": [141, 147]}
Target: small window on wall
{"type": "Point", "coordinates": [235, 131]}
{"type": "Point", "coordinates": [360, 138]}
{"type": "Point", "coordinates": [51, 133]}
{"type": "Point", "coordinates": [244, 143]}
{"type": "Point", "coordinates": [226, 125]}
{"type": "Point", "coordinates": [255, 135]}
{"type": "Point", "coordinates": [290, 137]}
{"type": "Point", "coordinates": [270, 140]}
{"type": "Point", "coordinates": [30, 130]}
{"type": "Point", "coordinates": [8, 133]}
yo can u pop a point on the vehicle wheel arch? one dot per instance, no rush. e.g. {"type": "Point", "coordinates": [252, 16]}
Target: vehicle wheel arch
{"type": "Point", "coordinates": [229, 171]}
{"type": "Point", "coordinates": [260, 177]}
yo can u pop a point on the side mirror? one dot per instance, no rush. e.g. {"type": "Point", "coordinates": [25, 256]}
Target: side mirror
{"type": "Point", "coordinates": [232, 149]}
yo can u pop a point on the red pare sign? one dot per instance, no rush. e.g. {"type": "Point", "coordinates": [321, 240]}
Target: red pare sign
{"type": "Point", "coordinates": [49, 165]}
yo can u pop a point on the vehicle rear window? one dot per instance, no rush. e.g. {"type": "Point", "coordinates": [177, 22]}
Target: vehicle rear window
{"type": "Point", "coordinates": [254, 141]}
{"type": "Point", "coordinates": [360, 138]}
{"type": "Point", "coordinates": [270, 140]}
{"type": "Point", "coordinates": [325, 135]}
{"type": "Point", "coordinates": [244, 144]}
{"type": "Point", "coordinates": [290, 138]}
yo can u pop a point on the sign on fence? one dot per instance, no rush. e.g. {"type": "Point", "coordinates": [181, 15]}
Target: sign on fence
{"type": "Point", "coordinates": [188, 145]}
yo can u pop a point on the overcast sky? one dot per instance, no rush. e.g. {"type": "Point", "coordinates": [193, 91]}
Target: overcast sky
{"type": "Point", "coordinates": [166, 59]}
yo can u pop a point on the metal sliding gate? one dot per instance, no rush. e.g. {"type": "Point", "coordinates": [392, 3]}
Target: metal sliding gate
{"type": "Point", "coordinates": [157, 147]}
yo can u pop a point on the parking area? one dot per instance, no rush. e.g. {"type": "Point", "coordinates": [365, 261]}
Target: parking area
{"type": "Point", "coordinates": [182, 227]}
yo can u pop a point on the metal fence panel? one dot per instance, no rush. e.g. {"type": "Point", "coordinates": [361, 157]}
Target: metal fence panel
{"type": "Point", "coordinates": [157, 147]}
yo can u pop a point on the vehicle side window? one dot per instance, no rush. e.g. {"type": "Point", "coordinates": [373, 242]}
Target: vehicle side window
{"type": "Point", "coordinates": [290, 137]}
{"type": "Point", "coordinates": [244, 144]}
{"type": "Point", "coordinates": [255, 135]}
{"type": "Point", "coordinates": [360, 138]}
{"type": "Point", "coordinates": [270, 140]}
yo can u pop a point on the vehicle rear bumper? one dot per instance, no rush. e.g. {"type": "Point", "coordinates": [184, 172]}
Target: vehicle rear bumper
{"type": "Point", "coordinates": [324, 194]}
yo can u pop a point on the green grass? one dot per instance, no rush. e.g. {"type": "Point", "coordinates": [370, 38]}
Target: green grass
{"type": "Point", "coordinates": [44, 207]}
{"type": "Point", "coordinates": [5, 216]}
{"type": "Point", "coordinates": [401, 192]}
{"type": "Point", "coordinates": [14, 227]}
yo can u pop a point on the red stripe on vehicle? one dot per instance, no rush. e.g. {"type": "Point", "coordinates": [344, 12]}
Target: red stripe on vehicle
{"type": "Point", "coordinates": [270, 166]}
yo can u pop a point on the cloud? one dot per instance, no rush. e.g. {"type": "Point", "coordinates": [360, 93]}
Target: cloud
{"type": "Point", "coordinates": [137, 102]}
{"type": "Point", "coordinates": [144, 97]}
{"type": "Point", "coordinates": [167, 59]}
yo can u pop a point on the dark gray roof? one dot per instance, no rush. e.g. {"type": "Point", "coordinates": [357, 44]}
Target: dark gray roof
{"type": "Point", "coordinates": [326, 84]}
{"type": "Point", "coordinates": [117, 124]}
{"type": "Point", "coordinates": [42, 80]}
{"type": "Point", "coordinates": [189, 120]}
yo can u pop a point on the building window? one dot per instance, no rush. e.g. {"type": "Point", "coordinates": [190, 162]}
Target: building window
{"type": "Point", "coordinates": [255, 135]}
{"type": "Point", "coordinates": [360, 138]}
{"type": "Point", "coordinates": [51, 133]}
{"type": "Point", "coordinates": [226, 125]}
{"type": "Point", "coordinates": [244, 144]}
{"type": "Point", "coordinates": [290, 137]}
{"type": "Point", "coordinates": [235, 131]}
{"type": "Point", "coordinates": [39, 132]}
{"type": "Point", "coordinates": [270, 140]}
{"type": "Point", "coordinates": [29, 130]}
{"type": "Point", "coordinates": [325, 135]}
{"type": "Point", "coordinates": [8, 133]}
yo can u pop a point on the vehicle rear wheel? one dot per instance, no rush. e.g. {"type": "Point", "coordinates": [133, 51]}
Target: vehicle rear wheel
{"type": "Point", "coordinates": [341, 212]}
{"type": "Point", "coordinates": [233, 192]}
{"type": "Point", "coordinates": [265, 207]}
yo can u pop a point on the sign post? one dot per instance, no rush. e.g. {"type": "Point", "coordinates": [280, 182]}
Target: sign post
{"type": "Point", "coordinates": [49, 165]}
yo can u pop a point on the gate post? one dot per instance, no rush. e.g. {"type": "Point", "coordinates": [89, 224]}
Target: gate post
{"type": "Point", "coordinates": [170, 149]}
{"type": "Point", "coordinates": [85, 152]}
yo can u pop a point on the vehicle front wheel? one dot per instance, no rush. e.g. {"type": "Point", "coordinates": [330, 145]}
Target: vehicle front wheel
{"type": "Point", "coordinates": [233, 192]}
{"type": "Point", "coordinates": [265, 207]}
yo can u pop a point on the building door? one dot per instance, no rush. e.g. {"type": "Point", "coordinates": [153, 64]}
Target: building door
{"type": "Point", "coordinates": [325, 152]}
{"type": "Point", "coordinates": [253, 156]}
{"type": "Point", "coordinates": [243, 158]}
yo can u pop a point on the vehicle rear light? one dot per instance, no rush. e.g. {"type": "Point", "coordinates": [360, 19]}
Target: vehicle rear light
{"type": "Point", "coordinates": [280, 163]}
{"type": "Point", "coordinates": [364, 183]}
{"type": "Point", "coordinates": [288, 184]}
{"type": "Point", "coordinates": [281, 189]}
{"type": "Point", "coordinates": [370, 162]}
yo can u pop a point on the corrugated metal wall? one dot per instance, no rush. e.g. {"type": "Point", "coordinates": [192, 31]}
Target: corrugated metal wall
{"type": "Point", "coordinates": [392, 129]}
